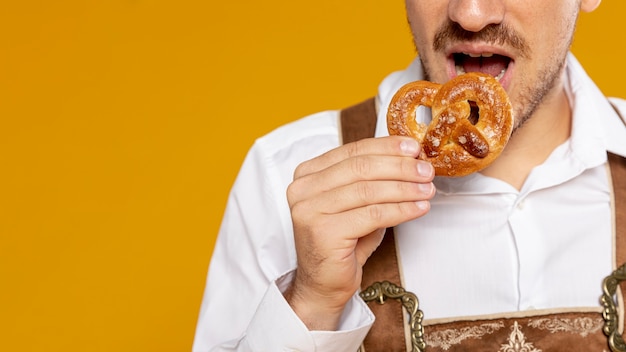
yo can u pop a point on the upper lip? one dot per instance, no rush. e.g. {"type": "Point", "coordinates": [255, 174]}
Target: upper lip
{"type": "Point", "coordinates": [477, 49]}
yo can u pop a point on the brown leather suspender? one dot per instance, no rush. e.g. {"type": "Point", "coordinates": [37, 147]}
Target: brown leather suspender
{"type": "Point", "coordinates": [359, 122]}
{"type": "Point", "coordinates": [618, 175]}
{"type": "Point", "coordinates": [388, 331]}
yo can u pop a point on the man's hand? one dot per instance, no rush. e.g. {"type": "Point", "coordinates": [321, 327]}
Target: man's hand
{"type": "Point", "coordinates": [341, 203]}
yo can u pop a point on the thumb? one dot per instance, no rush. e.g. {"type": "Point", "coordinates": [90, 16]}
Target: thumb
{"type": "Point", "coordinates": [367, 245]}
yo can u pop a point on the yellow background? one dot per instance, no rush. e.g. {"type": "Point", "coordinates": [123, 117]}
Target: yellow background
{"type": "Point", "coordinates": [123, 124]}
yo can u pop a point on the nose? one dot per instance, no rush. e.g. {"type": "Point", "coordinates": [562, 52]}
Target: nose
{"type": "Point", "coordinates": [474, 15]}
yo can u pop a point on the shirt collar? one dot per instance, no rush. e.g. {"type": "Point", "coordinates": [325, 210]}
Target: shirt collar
{"type": "Point", "coordinates": [596, 126]}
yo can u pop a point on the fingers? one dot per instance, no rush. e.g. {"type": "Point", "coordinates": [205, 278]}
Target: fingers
{"type": "Point", "coordinates": [380, 183]}
{"type": "Point", "coordinates": [357, 222]}
{"type": "Point", "coordinates": [356, 169]}
{"type": "Point", "coordinates": [392, 145]}
{"type": "Point", "coordinates": [362, 194]}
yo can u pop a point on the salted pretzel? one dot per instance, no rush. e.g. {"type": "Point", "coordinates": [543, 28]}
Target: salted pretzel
{"type": "Point", "coordinates": [471, 121]}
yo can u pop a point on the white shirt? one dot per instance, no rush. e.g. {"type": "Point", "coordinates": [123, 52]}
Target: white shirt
{"type": "Point", "coordinates": [546, 246]}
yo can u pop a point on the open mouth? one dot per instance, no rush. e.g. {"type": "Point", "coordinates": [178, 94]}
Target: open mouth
{"type": "Point", "coordinates": [489, 63]}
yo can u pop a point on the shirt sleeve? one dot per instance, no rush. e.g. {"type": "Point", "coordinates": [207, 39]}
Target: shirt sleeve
{"type": "Point", "coordinates": [243, 308]}
{"type": "Point", "coordinates": [275, 327]}
{"type": "Point", "coordinates": [288, 332]}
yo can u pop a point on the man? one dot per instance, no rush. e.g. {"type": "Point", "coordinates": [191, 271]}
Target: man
{"type": "Point", "coordinates": [306, 213]}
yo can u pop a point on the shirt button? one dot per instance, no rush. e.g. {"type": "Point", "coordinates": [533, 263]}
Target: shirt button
{"type": "Point", "coordinates": [521, 204]}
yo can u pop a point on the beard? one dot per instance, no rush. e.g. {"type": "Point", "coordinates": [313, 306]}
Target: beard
{"type": "Point", "coordinates": [535, 88]}
{"type": "Point", "coordinates": [531, 97]}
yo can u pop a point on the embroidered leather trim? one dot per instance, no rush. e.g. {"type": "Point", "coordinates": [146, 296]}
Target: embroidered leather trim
{"type": "Point", "coordinates": [517, 342]}
{"type": "Point", "coordinates": [450, 337]}
{"type": "Point", "coordinates": [581, 326]}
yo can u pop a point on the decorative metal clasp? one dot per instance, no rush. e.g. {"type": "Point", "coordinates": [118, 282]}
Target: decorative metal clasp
{"type": "Point", "coordinates": [379, 291]}
{"type": "Point", "coordinates": [610, 312]}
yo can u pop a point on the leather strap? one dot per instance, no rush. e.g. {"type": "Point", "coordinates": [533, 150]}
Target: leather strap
{"type": "Point", "coordinates": [618, 175]}
{"type": "Point", "coordinates": [387, 333]}
{"type": "Point", "coordinates": [358, 121]}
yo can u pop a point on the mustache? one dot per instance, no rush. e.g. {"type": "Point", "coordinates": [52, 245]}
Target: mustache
{"type": "Point", "coordinates": [452, 32]}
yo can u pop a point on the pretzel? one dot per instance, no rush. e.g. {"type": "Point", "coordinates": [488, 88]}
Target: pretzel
{"type": "Point", "coordinates": [457, 141]}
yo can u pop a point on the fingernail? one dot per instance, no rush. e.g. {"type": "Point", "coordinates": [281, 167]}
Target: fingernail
{"type": "Point", "coordinates": [424, 168]}
{"type": "Point", "coordinates": [422, 205]}
{"type": "Point", "coordinates": [425, 188]}
{"type": "Point", "coordinates": [409, 146]}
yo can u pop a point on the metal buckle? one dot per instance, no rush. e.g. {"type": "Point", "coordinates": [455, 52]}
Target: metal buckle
{"type": "Point", "coordinates": [379, 291]}
{"type": "Point", "coordinates": [610, 312]}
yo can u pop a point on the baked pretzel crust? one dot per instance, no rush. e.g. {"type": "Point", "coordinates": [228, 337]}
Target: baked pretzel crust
{"type": "Point", "coordinates": [457, 141]}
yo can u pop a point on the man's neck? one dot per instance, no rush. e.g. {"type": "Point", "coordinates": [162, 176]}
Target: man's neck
{"type": "Point", "coordinates": [531, 144]}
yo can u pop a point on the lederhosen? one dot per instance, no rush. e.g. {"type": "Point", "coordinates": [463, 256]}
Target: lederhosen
{"type": "Point", "coordinates": [568, 329]}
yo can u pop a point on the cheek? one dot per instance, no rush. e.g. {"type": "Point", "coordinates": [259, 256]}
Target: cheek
{"type": "Point", "coordinates": [416, 24]}
{"type": "Point", "coordinates": [552, 48]}
{"type": "Point", "coordinates": [555, 20]}
{"type": "Point", "coordinates": [424, 17]}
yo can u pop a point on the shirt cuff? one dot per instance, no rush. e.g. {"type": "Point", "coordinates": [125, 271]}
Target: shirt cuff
{"type": "Point", "coordinates": [288, 332]}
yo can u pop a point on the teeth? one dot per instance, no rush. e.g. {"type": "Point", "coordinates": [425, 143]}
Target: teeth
{"type": "Point", "coordinates": [479, 55]}
{"type": "Point", "coordinates": [460, 70]}
{"type": "Point", "coordinates": [500, 75]}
